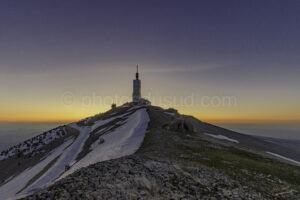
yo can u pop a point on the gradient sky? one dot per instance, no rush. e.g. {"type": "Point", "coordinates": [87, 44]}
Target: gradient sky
{"type": "Point", "coordinates": [59, 57]}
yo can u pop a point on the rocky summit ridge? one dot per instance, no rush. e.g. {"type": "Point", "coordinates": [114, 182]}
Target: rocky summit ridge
{"type": "Point", "coordinates": [147, 152]}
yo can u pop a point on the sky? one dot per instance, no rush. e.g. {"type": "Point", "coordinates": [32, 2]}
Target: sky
{"type": "Point", "coordinates": [226, 61]}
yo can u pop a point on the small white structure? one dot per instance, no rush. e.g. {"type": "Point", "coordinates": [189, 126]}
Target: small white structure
{"type": "Point", "coordinates": [145, 102]}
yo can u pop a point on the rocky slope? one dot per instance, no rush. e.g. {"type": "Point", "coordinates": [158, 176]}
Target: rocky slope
{"type": "Point", "coordinates": [139, 177]}
{"type": "Point", "coordinates": [146, 152]}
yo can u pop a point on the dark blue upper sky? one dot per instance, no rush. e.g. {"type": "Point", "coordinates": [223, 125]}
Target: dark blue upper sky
{"type": "Point", "coordinates": [187, 33]}
{"type": "Point", "coordinates": [227, 45]}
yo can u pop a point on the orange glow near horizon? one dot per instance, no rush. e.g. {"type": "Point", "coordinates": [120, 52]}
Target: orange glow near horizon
{"type": "Point", "coordinates": [73, 114]}
{"type": "Point", "coordinates": [208, 120]}
{"type": "Point", "coordinates": [69, 102]}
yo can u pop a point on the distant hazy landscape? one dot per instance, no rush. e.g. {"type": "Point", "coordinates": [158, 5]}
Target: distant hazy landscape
{"type": "Point", "coordinates": [13, 133]}
{"type": "Point", "coordinates": [282, 131]}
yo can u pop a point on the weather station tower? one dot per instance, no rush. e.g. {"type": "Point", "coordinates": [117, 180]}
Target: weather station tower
{"type": "Point", "coordinates": [136, 96]}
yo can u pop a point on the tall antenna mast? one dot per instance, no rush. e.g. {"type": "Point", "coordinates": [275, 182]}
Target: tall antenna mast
{"type": "Point", "coordinates": [137, 72]}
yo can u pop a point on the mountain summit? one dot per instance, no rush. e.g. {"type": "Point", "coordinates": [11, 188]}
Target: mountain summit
{"type": "Point", "coordinates": [142, 151]}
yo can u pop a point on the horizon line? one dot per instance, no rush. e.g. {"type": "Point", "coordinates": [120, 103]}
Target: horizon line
{"type": "Point", "coordinates": [210, 120]}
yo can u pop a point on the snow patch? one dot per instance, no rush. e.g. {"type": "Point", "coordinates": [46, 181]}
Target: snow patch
{"type": "Point", "coordinates": [68, 157]}
{"type": "Point", "coordinates": [14, 185]}
{"type": "Point", "coordinates": [33, 144]}
{"type": "Point", "coordinates": [222, 137]}
{"type": "Point", "coordinates": [284, 158]}
{"type": "Point", "coordinates": [169, 113]}
{"type": "Point", "coordinates": [134, 107]}
{"type": "Point", "coordinates": [102, 122]}
{"type": "Point", "coordinates": [96, 143]}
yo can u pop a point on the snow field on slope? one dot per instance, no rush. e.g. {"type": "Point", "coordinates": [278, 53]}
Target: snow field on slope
{"type": "Point", "coordinates": [15, 184]}
{"type": "Point", "coordinates": [69, 155]}
{"type": "Point", "coordinates": [122, 141]}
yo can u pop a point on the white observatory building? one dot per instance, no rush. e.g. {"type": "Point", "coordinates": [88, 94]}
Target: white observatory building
{"type": "Point", "coordinates": [136, 95]}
